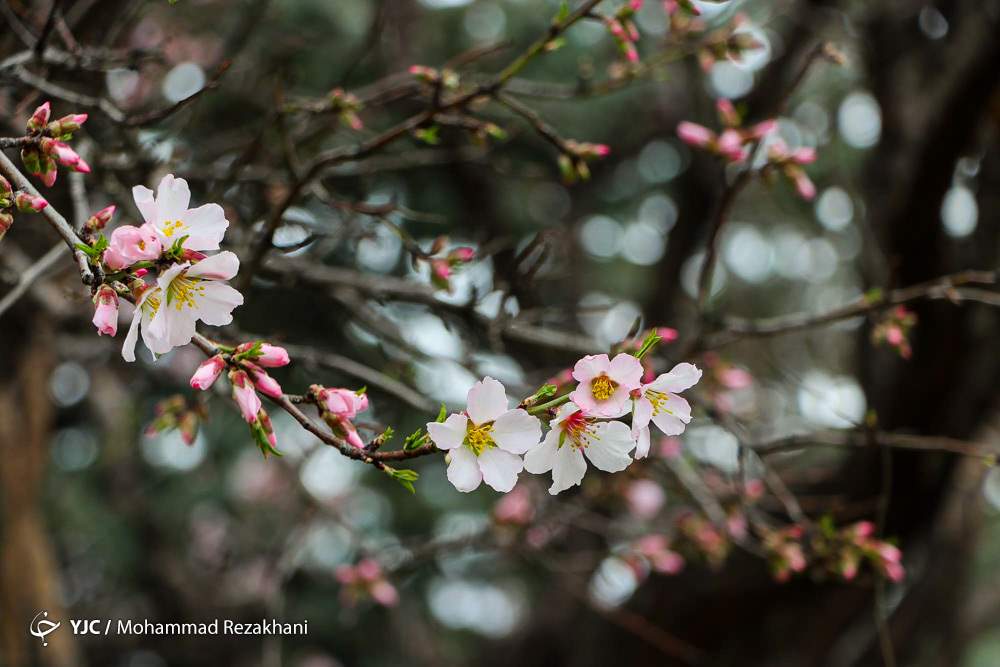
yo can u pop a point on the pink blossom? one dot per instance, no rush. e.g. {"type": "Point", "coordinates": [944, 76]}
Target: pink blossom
{"type": "Point", "coordinates": [645, 498]}
{"type": "Point", "coordinates": [64, 155]}
{"type": "Point", "coordinates": [514, 508]}
{"type": "Point", "coordinates": [129, 245]}
{"type": "Point", "coordinates": [342, 402]}
{"type": "Point", "coordinates": [462, 254]}
{"type": "Point", "coordinates": [732, 377]}
{"type": "Point", "coordinates": [670, 447]}
{"type": "Point", "coordinates": [106, 312]}
{"type": "Point", "coordinates": [244, 395]}
{"type": "Point", "coordinates": [264, 383]}
{"type": "Point", "coordinates": [864, 529]}
{"type": "Point", "coordinates": [605, 384]}
{"type": "Point", "coordinates": [695, 135]}
{"type": "Point", "coordinates": [894, 335]}
{"type": "Point", "coordinates": [804, 155]}
{"type": "Point", "coordinates": [384, 593]}
{"type": "Point", "coordinates": [763, 128]}
{"type": "Point", "coordinates": [100, 219]}
{"type": "Point", "coordinates": [730, 145]}
{"type": "Point", "coordinates": [208, 372]}
{"type": "Point", "coordinates": [667, 334]}
{"type": "Point", "coordinates": [727, 112]}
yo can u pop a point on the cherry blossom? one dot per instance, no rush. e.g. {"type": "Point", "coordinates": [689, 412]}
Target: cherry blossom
{"type": "Point", "coordinates": [129, 245]}
{"type": "Point", "coordinates": [485, 442]}
{"type": "Point", "coordinates": [184, 294]}
{"type": "Point", "coordinates": [201, 228]}
{"type": "Point", "coordinates": [659, 402]}
{"type": "Point", "coordinates": [367, 579]}
{"type": "Point", "coordinates": [605, 384]}
{"type": "Point", "coordinates": [574, 435]}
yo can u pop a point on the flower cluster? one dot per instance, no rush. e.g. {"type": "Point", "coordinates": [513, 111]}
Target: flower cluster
{"type": "Point", "coordinates": [177, 412]}
{"type": "Point", "coordinates": [445, 264]}
{"type": "Point", "coordinates": [623, 29]}
{"type": "Point", "coordinates": [366, 580]}
{"type": "Point", "coordinates": [22, 201]}
{"type": "Point", "coordinates": [734, 141]}
{"type": "Point", "coordinates": [189, 285]}
{"type": "Point", "coordinates": [48, 148]}
{"type": "Point", "coordinates": [486, 442]}
{"type": "Point", "coordinates": [787, 162]}
{"type": "Point", "coordinates": [246, 363]}
{"type": "Point", "coordinates": [894, 330]}
{"type": "Point", "coordinates": [338, 408]}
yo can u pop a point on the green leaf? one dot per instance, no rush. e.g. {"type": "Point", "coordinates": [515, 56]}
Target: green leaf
{"type": "Point", "coordinates": [442, 414]}
{"type": "Point", "coordinates": [563, 11]}
{"type": "Point", "coordinates": [428, 135]}
{"type": "Point", "coordinates": [404, 476]}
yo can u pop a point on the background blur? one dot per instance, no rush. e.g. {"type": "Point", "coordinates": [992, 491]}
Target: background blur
{"type": "Point", "coordinates": [99, 520]}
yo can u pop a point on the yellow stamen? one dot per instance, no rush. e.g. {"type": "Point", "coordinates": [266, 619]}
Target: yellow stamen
{"type": "Point", "coordinates": [171, 226]}
{"type": "Point", "coordinates": [603, 387]}
{"type": "Point", "coordinates": [479, 438]}
{"type": "Point", "coordinates": [183, 292]}
{"type": "Point", "coordinates": [658, 399]}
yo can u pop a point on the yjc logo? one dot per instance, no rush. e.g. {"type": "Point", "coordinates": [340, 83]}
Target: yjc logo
{"type": "Point", "coordinates": [40, 626]}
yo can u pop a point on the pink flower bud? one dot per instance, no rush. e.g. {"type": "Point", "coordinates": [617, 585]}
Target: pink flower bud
{"type": "Point", "coordinates": [385, 594]}
{"type": "Point", "coordinates": [864, 529]}
{"type": "Point", "coordinates": [727, 112]}
{"type": "Point", "coordinates": [265, 384]}
{"type": "Point", "coordinates": [6, 220]}
{"type": "Point", "coordinates": [764, 128]}
{"type": "Point", "coordinates": [272, 356]}
{"type": "Point", "coordinates": [343, 402]}
{"type": "Point", "coordinates": [106, 312]}
{"type": "Point", "coordinates": [100, 219]}
{"type": "Point", "coordinates": [61, 151]}
{"type": "Point", "coordinates": [130, 244]}
{"type": "Point", "coordinates": [694, 134]}
{"type": "Point", "coordinates": [730, 145]}
{"type": "Point", "coordinates": [208, 372]}
{"type": "Point", "coordinates": [894, 335]}
{"type": "Point", "coordinates": [268, 427]}
{"type": "Point", "coordinates": [39, 118]}
{"type": "Point", "coordinates": [244, 395]}
{"type": "Point", "coordinates": [27, 203]}
{"type": "Point", "coordinates": [49, 173]}
{"type": "Point", "coordinates": [895, 572]}
{"type": "Point", "coordinates": [804, 186]}
{"type": "Point", "coordinates": [804, 155]}
{"type": "Point", "coordinates": [71, 123]}
{"type": "Point", "coordinates": [667, 334]}
{"type": "Point", "coordinates": [462, 254]}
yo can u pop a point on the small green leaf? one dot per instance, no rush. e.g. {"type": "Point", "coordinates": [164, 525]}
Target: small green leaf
{"type": "Point", "coordinates": [442, 414]}
{"type": "Point", "coordinates": [563, 11]}
{"type": "Point", "coordinates": [404, 476]}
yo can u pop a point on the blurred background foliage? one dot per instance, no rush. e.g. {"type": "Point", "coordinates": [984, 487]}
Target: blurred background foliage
{"type": "Point", "coordinates": [150, 527]}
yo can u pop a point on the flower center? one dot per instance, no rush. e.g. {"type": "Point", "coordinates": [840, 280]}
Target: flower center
{"type": "Point", "coordinates": [658, 399]}
{"type": "Point", "coordinates": [576, 427]}
{"type": "Point", "coordinates": [603, 387]}
{"type": "Point", "coordinates": [479, 438]}
{"type": "Point", "coordinates": [183, 292]}
{"type": "Point", "coordinates": [170, 227]}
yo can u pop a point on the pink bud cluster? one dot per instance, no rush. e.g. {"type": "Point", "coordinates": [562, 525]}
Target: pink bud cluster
{"type": "Point", "coordinates": [894, 330]}
{"type": "Point", "coordinates": [789, 163]}
{"type": "Point", "coordinates": [623, 30]}
{"type": "Point", "coordinates": [733, 142]}
{"type": "Point", "coordinates": [445, 264]}
{"type": "Point", "coordinates": [177, 413]}
{"type": "Point", "coordinates": [366, 580]}
{"type": "Point", "coordinates": [24, 202]}
{"type": "Point", "coordinates": [514, 508]}
{"type": "Point", "coordinates": [576, 154]}
{"type": "Point", "coordinates": [785, 553]}
{"type": "Point", "coordinates": [338, 408]}
{"type": "Point", "coordinates": [247, 376]}
{"type": "Point", "coordinates": [725, 381]}
{"type": "Point", "coordinates": [704, 537]}
{"type": "Point", "coordinates": [728, 42]}
{"type": "Point", "coordinates": [130, 244]}
{"type": "Point", "coordinates": [346, 106]}
{"type": "Point", "coordinates": [42, 157]}
{"type": "Point", "coordinates": [655, 552]}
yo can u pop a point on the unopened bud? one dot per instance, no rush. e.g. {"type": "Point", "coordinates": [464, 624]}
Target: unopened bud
{"type": "Point", "coordinates": [39, 118]}
{"type": "Point", "coordinates": [6, 220]}
{"type": "Point", "coordinates": [28, 203]}
{"type": "Point", "coordinates": [31, 160]}
{"type": "Point", "coordinates": [98, 221]}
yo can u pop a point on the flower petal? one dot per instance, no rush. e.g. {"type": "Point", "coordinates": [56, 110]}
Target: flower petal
{"type": "Point", "coordinates": [610, 446]}
{"type": "Point", "coordinates": [642, 412]}
{"type": "Point", "coordinates": [500, 469]}
{"type": "Point", "coordinates": [680, 377]}
{"type": "Point", "coordinates": [626, 370]}
{"type": "Point", "coordinates": [486, 401]}
{"type": "Point", "coordinates": [221, 266]}
{"type": "Point", "coordinates": [669, 424]}
{"type": "Point", "coordinates": [642, 443]}
{"type": "Point", "coordinates": [463, 471]}
{"type": "Point", "coordinates": [516, 431]}
{"type": "Point", "coordinates": [172, 198]}
{"type": "Point", "coordinates": [450, 433]}
{"type": "Point", "coordinates": [128, 348]}
{"type": "Point", "coordinates": [541, 459]}
{"type": "Point", "coordinates": [568, 469]}
{"type": "Point", "coordinates": [207, 225]}
{"type": "Point", "coordinates": [216, 304]}
{"type": "Point", "coordinates": [144, 201]}
{"type": "Point", "coordinates": [590, 367]}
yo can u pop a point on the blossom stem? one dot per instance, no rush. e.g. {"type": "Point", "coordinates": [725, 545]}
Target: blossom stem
{"type": "Point", "coordinates": [555, 402]}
